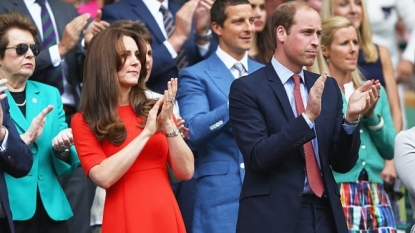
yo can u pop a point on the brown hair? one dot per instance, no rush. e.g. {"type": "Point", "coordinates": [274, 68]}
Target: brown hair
{"type": "Point", "coordinates": [284, 16]}
{"type": "Point", "coordinates": [265, 43]}
{"type": "Point", "coordinates": [135, 26]}
{"type": "Point", "coordinates": [101, 88]}
{"type": "Point", "coordinates": [14, 20]}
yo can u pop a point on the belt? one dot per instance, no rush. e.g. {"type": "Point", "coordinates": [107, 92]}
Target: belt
{"type": "Point", "coordinates": [313, 199]}
{"type": "Point", "coordinates": [69, 110]}
{"type": "Point", "coordinates": [363, 176]}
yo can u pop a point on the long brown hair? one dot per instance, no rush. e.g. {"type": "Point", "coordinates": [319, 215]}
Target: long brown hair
{"type": "Point", "coordinates": [101, 88]}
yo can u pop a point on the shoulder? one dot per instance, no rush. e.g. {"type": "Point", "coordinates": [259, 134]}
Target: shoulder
{"type": "Point", "coordinates": [406, 136]}
{"type": "Point", "coordinates": [42, 87]}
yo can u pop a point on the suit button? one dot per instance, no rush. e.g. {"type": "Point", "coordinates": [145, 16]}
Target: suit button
{"type": "Point", "coordinates": [304, 170]}
{"type": "Point", "coordinates": [40, 177]}
{"type": "Point", "coordinates": [242, 166]}
{"type": "Point", "coordinates": [364, 163]}
{"type": "Point", "coordinates": [33, 150]}
{"type": "Point", "coordinates": [300, 194]}
{"type": "Point", "coordinates": [363, 147]}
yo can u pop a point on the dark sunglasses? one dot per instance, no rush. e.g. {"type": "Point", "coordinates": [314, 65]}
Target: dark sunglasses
{"type": "Point", "coordinates": [21, 49]}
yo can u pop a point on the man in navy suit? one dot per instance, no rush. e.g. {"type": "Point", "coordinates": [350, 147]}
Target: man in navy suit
{"type": "Point", "coordinates": [279, 193]}
{"type": "Point", "coordinates": [15, 159]}
{"type": "Point", "coordinates": [203, 100]}
{"type": "Point", "coordinates": [191, 35]}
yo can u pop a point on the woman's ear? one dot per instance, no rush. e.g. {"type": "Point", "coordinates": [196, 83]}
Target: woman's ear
{"type": "Point", "coordinates": [325, 51]}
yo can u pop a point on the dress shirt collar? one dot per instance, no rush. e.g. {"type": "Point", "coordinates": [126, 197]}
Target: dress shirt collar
{"type": "Point", "coordinates": [29, 2]}
{"type": "Point", "coordinates": [230, 61]}
{"type": "Point", "coordinates": [283, 72]}
{"type": "Point", "coordinates": [154, 6]}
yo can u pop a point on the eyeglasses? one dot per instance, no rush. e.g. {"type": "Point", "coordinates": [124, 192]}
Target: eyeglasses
{"type": "Point", "coordinates": [21, 49]}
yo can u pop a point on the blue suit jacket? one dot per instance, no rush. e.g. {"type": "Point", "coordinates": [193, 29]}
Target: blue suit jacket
{"type": "Point", "coordinates": [203, 99]}
{"type": "Point", "coordinates": [16, 160]}
{"type": "Point", "coordinates": [46, 168]}
{"type": "Point", "coordinates": [63, 14]}
{"type": "Point", "coordinates": [164, 66]}
{"type": "Point", "coordinates": [271, 138]}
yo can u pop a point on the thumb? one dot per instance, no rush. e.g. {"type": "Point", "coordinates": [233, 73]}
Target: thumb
{"type": "Point", "coordinates": [98, 16]}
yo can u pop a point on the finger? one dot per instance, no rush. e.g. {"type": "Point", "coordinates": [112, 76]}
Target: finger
{"type": "Point", "coordinates": [366, 86]}
{"type": "Point", "coordinates": [3, 81]}
{"type": "Point", "coordinates": [156, 107]}
{"type": "Point", "coordinates": [46, 111]}
{"type": "Point", "coordinates": [174, 86]}
{"type": "Point", "coordinates": [98, 16]}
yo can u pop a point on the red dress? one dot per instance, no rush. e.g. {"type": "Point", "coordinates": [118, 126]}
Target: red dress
{"type": "Point", "coordinates": [142, 200]}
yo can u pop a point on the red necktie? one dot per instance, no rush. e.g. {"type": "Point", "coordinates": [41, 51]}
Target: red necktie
{"type": "Point", "coordinates": [313, 171]}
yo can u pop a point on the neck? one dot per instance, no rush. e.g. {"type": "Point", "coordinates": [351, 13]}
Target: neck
{"type": "Point", "coordinates": [341, 77]}
{"type": "Point", "coordinates": [253, 51]}
{"type": "Point", "coordinates": [14, 83]}
{"type": "Point", "coordinates": [124, 98]}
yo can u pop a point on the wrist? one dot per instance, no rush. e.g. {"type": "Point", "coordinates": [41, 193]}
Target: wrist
{"type": "Point", "coordinates": [175, 132]}
{"type": "Point", "coordinates": [3, 132]}
{"type": "Point", "coordinates": [351, 120]}
{"type": "Point", "coordinates": [62, 155]}
{"type": "Point", "coordinates": [203, 36]}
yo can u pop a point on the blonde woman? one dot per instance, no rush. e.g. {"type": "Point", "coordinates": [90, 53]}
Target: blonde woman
{"type": "Point", "coordinates": [374, 61]}
{"type": "Point", "coordinates": [365, 203]}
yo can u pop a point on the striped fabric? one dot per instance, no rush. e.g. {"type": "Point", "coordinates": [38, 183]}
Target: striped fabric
{"type": "Point", "coordinates": [55, 76]}
{"type": "Point", "coordinates": [367, 208]}
{"type": "Point", "coordinates": [168, 20]}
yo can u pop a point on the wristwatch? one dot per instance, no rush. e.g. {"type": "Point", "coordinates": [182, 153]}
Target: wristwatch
{"type": "Point", "coordinates": [356, 122]}
{"type": "Point", "coordinates": [206, 37]}
{"type": "Point", "coordinates": [173, 133]}
{"type": "Point", "coordinates": [61, 154]}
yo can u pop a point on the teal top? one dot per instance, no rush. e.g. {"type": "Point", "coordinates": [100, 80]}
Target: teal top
{"type": "Point", "coordinates": [376, 144]}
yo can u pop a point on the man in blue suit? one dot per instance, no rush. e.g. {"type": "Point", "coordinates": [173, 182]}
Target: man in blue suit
{"type": "Point", "coordinates": [15, 159]}
{"type": "Point", "coordinates": [203, 100]}
{"type": "Point", "coordinates": [187, 44]}
{"type": "Point", "coordinates": [280, 140]}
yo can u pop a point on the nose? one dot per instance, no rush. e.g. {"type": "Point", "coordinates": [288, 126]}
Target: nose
{"type": "Point", "coordinates": [353, 7]}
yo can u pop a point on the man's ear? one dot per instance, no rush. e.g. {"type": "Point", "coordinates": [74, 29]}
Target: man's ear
{"type": "Point", "coordinates": [281, 34]}
{"type": "Point", "coordinates": [216, 28]}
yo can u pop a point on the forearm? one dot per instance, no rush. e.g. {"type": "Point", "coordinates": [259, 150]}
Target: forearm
{"type": "Point", "coordinates": [111, 169]}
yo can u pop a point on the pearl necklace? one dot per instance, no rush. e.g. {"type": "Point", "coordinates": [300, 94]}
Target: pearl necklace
{"type": "Point", "coordinates": [22, 104]}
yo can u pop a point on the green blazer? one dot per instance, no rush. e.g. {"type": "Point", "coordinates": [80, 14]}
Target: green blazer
{"type": "Point", "coordinates": [46, 167]}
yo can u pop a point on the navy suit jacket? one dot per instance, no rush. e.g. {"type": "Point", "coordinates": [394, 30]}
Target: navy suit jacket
{"type": "Point", "coordinates": [16, 160]}
{"type": "Point", "coordinates": [63, 14]}
{"type": "Point", "coordinates": [271, 140]}
{"type": "Point", "coordinates": [203, 100]}
{"type": "Point", "coordinates": [164, 66]}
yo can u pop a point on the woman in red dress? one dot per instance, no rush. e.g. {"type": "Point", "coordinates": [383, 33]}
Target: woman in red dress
{"type": "Point", "coordinates": [124, 139]}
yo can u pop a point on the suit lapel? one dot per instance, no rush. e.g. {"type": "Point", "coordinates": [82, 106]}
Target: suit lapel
{"type": "Point", "coordinates": [220, 74]}
{"type": "Point", "coordinates": [142, 11]}
{"type": "Point", "coordinates": [20, 6]}
{"type": "Point", "coordinates": [33, 107]}
{"type": "Point", "coordinates": [278, 87]}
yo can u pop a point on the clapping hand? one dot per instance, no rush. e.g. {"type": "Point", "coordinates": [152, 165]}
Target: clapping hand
{"type": "Point", "coordinates": [36, 127]}
{"type": "Point", "coordinates": [363, 100]}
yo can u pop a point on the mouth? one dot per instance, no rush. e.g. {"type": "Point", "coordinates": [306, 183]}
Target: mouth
{"type": "Point", "coordinates": [258, 23]}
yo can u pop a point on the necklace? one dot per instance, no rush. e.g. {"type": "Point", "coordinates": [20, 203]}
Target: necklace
{"type": "Point", "coordinates": [22, 104]}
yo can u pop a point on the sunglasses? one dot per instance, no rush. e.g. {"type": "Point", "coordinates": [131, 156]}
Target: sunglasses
{"type": "Point", "coordinates": [21, 49]}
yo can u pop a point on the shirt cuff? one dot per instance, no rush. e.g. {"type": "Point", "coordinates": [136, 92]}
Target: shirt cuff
{"type": "Point", "coordinates": [54, 55]}
{"type": "Point", "coordinates": [349, 128]}
{"type": "Point", "coordinates": [203, 49]}
{"type": "Point", "coordinates": [4, 143]}
{"type": "Point", "coordinates": [309, 122]}
{"type": "Point", "coordinates": [170, 48]}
